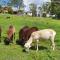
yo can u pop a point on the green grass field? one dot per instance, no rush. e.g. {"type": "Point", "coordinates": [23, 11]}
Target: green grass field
{"type": "Point", "coordinates": [15, 52]}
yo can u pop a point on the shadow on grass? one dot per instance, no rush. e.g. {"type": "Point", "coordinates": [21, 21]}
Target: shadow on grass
{"type": "Point", "coordinates": [20, 42]}
{"type": "Point", "coordinates": [40, 48]}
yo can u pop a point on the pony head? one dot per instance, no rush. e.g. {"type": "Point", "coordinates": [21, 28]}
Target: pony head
{"type": "Point", "coordinates": [27, 46]}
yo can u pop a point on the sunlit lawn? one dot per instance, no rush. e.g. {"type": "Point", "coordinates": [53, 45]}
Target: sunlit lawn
{"type": "Point", "coordinates": [15, 52]}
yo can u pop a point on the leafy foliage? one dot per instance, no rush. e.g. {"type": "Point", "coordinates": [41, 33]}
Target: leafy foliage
{"type": "Point", "coordinates": [10, 11]}
{"type": "Point", "coordinates": [16, 3]}
{"type": "Point", "coordinates": [55, 8]}
{"type": "Point", "coordinates": [33, 9]}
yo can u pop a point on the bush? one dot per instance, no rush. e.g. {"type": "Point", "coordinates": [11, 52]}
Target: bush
{"type": "Point", "coordinates": [10, 11]}
{"type": "Point", "coordinates": [55, 9]}
{"type": "Point", "coordinates": [44, 15]}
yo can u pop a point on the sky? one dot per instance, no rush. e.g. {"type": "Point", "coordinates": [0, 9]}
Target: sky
{"type": "Point", "coordinates": [4, 2]}
{"type": "Point", "coordinates": [35, 1]}
{"type": "Point", "coordinates": [38, 2]}
{"type": "Point", "coordinates": [26, 3]}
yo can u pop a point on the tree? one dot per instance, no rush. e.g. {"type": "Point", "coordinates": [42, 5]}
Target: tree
{"type": "Point", "coordinates": [0, 6]}
{"type": "Point", "coordinates": [46, 7]}
{"type": "Point", "coordinates": [33, 9]}
{"type": "Point", "coordinates": [16, 3]}
{"type": "Point", "coordinates": [55, 7]}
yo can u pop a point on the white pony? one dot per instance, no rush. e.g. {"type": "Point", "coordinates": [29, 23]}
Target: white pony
{"type": "Point", "coordinates": [41, 34]}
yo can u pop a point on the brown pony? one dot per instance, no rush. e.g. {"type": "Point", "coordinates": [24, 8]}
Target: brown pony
{"type": "Point", "coordinates": [10, 34]}
{"type": "Point", "coordinates": [22, 32]}
{"type": "Point", "coordinates": [25, 33]}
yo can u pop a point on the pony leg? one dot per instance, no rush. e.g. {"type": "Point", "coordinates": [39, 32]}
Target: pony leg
{"type": "Point", "coordinates": [37, 45]}
{"type": "Point", "coordinates": [53, 44]}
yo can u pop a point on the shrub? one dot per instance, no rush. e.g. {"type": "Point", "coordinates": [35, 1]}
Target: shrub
{"type": "Point", "coordinates": [10, 11]}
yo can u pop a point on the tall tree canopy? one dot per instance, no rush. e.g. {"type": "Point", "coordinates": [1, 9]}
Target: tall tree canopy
{"type": "Point", "coordinates": [33, 9]}
{"type": "Point", "coordinates": [55, 7]}
{"type": "Point", "coordinates": [16, 3]}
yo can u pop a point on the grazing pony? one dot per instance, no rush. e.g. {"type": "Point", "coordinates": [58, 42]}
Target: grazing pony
{"type": "Point", "coordinates": [10, 34]}
{"type": "Point", "coordinates": [41, 34]}
{"type": "Point", "coordinates": [22, 33]}
{"type": "Point", "coordinates": [25, 33]}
